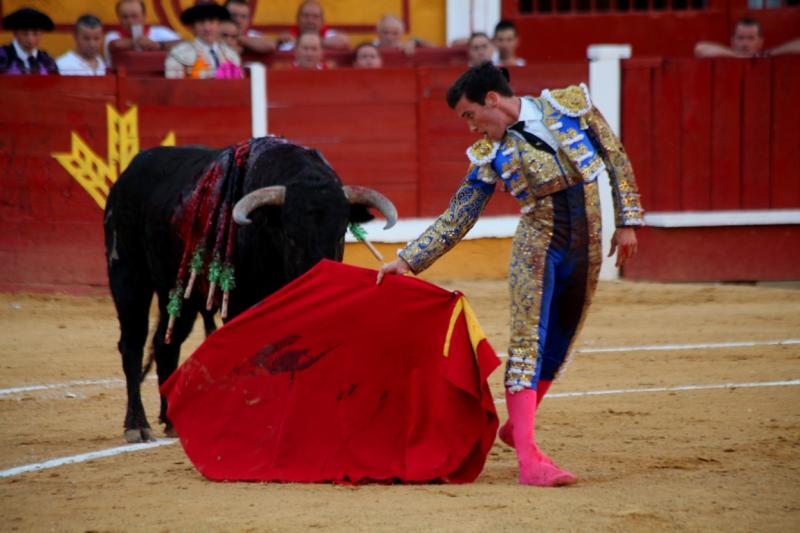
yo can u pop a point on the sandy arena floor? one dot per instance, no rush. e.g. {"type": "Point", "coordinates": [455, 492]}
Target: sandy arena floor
{"type": "Point", "coordinates": [723, 459]}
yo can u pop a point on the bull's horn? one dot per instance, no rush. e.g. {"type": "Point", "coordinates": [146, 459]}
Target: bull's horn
{"type": "Point", "coordinates": [364, 195]}
{"type": "Point", "coordinates": [273, 195]}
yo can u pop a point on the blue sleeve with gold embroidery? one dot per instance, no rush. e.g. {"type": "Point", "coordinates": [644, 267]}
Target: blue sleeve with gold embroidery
{"type": "Point", "coordinates": [627, 205]}
{"type": "Point", "coordinates": [466, 205]}
{"type": "Point", "coordinates": [574, 102]}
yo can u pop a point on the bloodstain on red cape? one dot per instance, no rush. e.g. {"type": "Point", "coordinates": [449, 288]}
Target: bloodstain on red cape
{"type": "Point", "coordinates": [335, 378]}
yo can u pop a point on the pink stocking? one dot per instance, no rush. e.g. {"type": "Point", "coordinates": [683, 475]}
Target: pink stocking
{"type": "Point", "coordinates": [506, 432]}
{"type": "Point", "coordinates": [533, 468]}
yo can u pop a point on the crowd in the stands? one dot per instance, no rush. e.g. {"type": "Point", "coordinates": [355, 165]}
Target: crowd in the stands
{"type": "Point", "coordinates": [224, 39]}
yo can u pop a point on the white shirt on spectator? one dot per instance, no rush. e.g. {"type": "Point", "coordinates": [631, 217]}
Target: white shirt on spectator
{"type": "Point", "coordinates": [23, 55]}
{"type": "Point", "coordinates": [159, 34]}
{"type": "Point", "coordinates": [518, 62]}
{"type": "Point", "coordinates": [72, 64]}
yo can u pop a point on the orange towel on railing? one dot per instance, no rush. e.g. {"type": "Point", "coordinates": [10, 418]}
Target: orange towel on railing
{"type": "Point", "coordinates": [334, 378]}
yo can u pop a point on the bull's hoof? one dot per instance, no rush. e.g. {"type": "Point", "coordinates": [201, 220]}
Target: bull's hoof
{"type": "Point", "coordinates": [170, 432]}
{"type": "Point", "coordinates": [139, 435]}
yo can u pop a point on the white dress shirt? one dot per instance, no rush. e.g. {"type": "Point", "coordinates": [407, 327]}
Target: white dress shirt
{"type": "Point", "coordinates": [23, 55]}
{"type": "Point", "coordinates": [532, 116]}
{"type": "Point", "coordinates": [208, 57]}
{"type": "Point", "coordinates": [72, 64]}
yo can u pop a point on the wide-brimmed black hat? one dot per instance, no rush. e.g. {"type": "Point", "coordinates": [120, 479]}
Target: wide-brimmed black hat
{"type": "Point", "coordinates": [204, 11]}
{"type": "Point", "coordinates": [28, 19]}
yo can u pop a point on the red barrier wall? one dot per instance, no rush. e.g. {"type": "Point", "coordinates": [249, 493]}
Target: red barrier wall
{"type": "Point", "coordinates": [389, 129]}
{"type": "Point", "coordinates": [733, 253]}
{"type": "Point", "coordinates": [713, 134]}
{"type": "Point", "coordinates": [702, 135]}
{"type": "Point", "coordinates": [51, 232]}
{"type": "Point", "coordinates": [706, 135]}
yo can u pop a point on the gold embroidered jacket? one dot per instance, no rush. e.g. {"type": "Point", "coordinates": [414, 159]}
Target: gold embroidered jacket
{"type": "Point", "coordinates": [587, 147]}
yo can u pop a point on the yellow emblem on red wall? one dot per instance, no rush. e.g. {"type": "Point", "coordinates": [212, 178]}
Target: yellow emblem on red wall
{"type": "Point", "coordinates": [93, 173]}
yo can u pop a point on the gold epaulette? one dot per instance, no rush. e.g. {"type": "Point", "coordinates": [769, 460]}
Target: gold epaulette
{"type": "Point", "coordinates": [483, 151]}
{"type": "Point", "coordinates": [572, 101]}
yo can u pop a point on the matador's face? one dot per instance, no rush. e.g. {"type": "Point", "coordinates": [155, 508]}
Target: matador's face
{"type": "Point", "coordinates": [486, 119]}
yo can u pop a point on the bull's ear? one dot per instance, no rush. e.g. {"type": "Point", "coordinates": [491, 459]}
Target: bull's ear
{"type": "Point", "coordinates": [360, 213]}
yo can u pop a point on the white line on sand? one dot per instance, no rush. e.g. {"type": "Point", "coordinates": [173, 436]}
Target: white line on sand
{"type": "Point", "coordinates": [670, 389]}
{"type": "Point", "coordinates": [80, 458]}
{"type": "Point", "coordinates": [50, 386]}
{"type": "Point", "coordinates": [698, 346]}
{"type": "Point", "coordinates": [672, 347]}
{"type": "Point", "coordinates": [52, 463]}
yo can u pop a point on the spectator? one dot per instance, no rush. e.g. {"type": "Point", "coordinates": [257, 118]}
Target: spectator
{"type": "Point", "coordinates": [250, 40]}
{"type": "Point", "coordinates": [85, 60]}
{"type": "Point", "coordinates": [23, 56]}
{"type": "Point", "coordinates": [205, 56]}
{"type": "Point", "coordinates": [390, 30]}
{"type": "Point", "coordinates": [229, 33]}
{"type": "Point", "coordinates": [367, 55]}
{"type": "Point", "coordinates": [308, 52]}
{"type": "Point", "coordinates": [479, 49]}
{"type": "Point", "coordinates": [134, 34]}
{"type": "Point", "coordinates": [310, 18]}
{"type": "Point", "coordinates": [506, 42]}
{"type": "Point", "coordinates": [747, 40]}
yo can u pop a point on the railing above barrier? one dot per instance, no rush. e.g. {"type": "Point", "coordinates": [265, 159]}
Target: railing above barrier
{"type": "Point", "coordinates": [151, 63]}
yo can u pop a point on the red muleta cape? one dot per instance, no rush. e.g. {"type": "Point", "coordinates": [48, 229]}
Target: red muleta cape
{"type": "Point", "coordinates": [335, 378]}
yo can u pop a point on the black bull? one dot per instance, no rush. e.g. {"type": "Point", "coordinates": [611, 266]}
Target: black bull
{"type": "Point", "coordinates": [299, 211]}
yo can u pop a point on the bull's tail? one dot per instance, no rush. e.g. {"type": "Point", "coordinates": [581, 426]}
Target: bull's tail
{"type": "Point", "coordinates": [209, 325]}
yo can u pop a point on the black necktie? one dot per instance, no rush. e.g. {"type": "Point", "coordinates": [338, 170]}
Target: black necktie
{"type": "Point", "coordinates": [33, 65]}
{"type": "Point", "coordinates": [215, 57]}
{"type": "Point", "coordinates": [532, 139]}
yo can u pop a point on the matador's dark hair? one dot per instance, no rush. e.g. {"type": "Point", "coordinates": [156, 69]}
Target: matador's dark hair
{"type": "Point", "coordinates": [477, 81]}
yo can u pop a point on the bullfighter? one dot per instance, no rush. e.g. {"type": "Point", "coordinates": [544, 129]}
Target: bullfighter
{"type": "Point", "coordinates": [23, 55]}
{"type": "Point", "coordinates": [548, 153]}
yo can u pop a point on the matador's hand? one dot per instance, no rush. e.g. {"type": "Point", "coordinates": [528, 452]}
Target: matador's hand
{"type": "Point", "coordinates": [398, 266]}
{"type": "Point", "coordinates": [625, 240]}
